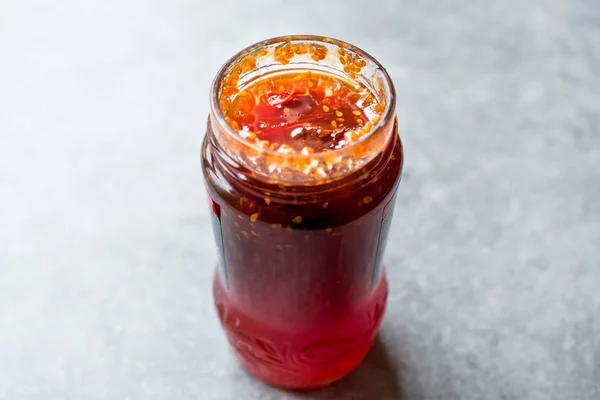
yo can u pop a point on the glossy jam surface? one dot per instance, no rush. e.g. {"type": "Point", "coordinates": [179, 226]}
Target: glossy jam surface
{"type": "Point", "coordinates": [303, 111]}
{"type": "Point", "coordinates": [300, 289]}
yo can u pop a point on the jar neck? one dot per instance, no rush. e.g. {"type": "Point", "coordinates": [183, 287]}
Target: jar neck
{"type": "Point", "coordinates": [248, 180]}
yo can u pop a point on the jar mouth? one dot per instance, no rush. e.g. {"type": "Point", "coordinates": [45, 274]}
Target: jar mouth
{"type": "Point", "coordinates": [379, 75]}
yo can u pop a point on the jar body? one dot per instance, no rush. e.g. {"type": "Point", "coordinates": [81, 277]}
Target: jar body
{"type": "Point", "coordinates": [300, 289]}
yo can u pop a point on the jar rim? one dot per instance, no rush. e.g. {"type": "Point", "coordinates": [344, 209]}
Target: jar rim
{"type": "Point", "coordinates": [219, 117]}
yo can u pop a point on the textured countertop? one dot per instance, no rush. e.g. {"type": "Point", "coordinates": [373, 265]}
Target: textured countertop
{"type": "Point", "coordinates": [106, 251]}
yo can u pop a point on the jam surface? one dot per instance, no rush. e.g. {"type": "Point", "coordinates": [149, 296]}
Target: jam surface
{"type": "Point", "coordinates": [303, 111]}
{"type": "Point", "coordinates": [300, 291]}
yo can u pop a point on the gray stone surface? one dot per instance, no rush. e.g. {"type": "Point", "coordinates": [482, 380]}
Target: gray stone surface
{"type": "Point", "coordinates": [105, 249]}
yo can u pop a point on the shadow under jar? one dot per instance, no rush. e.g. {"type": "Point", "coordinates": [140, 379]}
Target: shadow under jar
{"type": "Point", "coordinates": [301, 161]}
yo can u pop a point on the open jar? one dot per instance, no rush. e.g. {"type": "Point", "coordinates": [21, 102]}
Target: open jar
{"type": "Point", "coordinates": [301, 161]}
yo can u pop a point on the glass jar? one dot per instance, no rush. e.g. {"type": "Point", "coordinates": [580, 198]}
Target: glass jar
{"type": "Point", "coordinates": [300, 289]}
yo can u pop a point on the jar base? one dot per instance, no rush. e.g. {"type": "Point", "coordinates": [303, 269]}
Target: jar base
{"type": "Point", "coordinates": [322, 379]}
{"type": "Point", "coordinates": [314, 358]}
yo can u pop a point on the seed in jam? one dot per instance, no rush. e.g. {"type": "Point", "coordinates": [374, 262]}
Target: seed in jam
{"type": "Point", "coordinates": [302, 112]}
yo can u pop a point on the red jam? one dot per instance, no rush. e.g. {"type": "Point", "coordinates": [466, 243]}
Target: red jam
{"type": "Point", "coordinates": [301, 290]}
{"type": "Point", "coordinates": [302, 110]}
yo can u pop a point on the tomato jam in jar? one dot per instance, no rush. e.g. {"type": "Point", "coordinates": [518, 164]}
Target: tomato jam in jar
{"type": "Point", "coordinates": [301, 159]}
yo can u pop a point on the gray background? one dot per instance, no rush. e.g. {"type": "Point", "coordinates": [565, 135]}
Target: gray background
{"type": "Point", "coordinates": [106, 252]}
